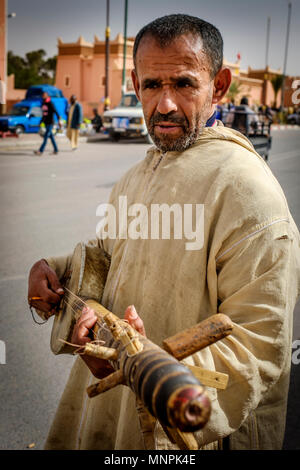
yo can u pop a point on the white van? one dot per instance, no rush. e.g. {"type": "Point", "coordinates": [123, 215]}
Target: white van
{"type": "Point", "coordinates": [126, 120]}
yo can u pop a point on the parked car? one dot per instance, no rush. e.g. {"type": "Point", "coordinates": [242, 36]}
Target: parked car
{"type": "Point", "coordinates": [26, 115]}
{"type": "Point", "coordinates": [126, 120]}
{"type": "Point", "coordinates": [294, 118]}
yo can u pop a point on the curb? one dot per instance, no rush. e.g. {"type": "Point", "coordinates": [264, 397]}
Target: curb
{"type": "Point", "coordinates": [279, 127]}
{"type": "Point", "coordinates": [19, 142]}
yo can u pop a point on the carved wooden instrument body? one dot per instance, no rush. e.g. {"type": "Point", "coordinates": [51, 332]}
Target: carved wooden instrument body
{"type": "Point", "coordinates": [166, 388]}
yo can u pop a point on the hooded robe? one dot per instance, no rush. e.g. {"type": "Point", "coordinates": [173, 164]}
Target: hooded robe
{"type": "Point", "coordinates": [248, 267]}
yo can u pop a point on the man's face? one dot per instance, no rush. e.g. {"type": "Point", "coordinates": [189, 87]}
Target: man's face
{"type": "Point", "coordinates": [175, 88]}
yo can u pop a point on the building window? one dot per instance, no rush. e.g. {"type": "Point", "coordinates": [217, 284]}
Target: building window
{"type": "Point", "coordinates": [67, 81]}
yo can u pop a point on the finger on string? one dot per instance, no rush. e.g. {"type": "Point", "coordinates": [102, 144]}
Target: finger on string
{"type": "Point", "coordinates": [74, 312]}
{"type": "Point", "coordinates": [84, 327]}
{"type": "Point", "coordinates": [89, 319]}
{"type": "Point", "coordinates": [74, 308]}
{"type": "Point", "coordinates": [71, 297]}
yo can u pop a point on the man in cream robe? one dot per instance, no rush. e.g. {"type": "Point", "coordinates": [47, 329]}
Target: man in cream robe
{"type": "Point", "coordinates": [248, 266]}
{"type": "Point", "coordinates": [248, 269]}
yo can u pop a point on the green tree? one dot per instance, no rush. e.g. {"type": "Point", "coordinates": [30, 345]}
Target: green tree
{"type": "Point", "coordinates": [276, 82]}
{"type": "Point", "coordinates": [234, 91]}
{"type": "Point", "coordinates": [34, 69]}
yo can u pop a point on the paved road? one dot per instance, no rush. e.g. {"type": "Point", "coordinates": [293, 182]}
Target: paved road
{"type": "Point", "coordinates": [47, 205]}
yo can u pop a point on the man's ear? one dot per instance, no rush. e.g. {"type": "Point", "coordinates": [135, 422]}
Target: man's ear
{"type": "Point", "coordinates": [221, 84]}
{"type": "Point", "coordinates": [136, 83]}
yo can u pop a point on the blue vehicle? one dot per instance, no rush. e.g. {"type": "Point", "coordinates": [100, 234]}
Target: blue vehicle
{"type": "Point", "coordinates": [26, 115]}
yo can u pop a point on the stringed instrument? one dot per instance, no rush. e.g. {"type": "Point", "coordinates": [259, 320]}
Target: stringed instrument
{"type": "Point", "coordinates": [165, 387]}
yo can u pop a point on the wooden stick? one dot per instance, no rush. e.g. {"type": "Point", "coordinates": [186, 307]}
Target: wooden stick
{"type": "Point", "coordinates": [210, 378]}
{"type": "Point", "coordinates": [116, 378]}
{"type": "Point", "coordinates": [184, 440]}
{"type": "Point", "coordinates": [194, 339]}
{"type": "Point", "coordinates": [101, 352]}
{"type": "Point", "coordinates": [147, 425]}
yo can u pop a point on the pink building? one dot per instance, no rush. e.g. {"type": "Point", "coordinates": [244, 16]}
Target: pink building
{"type": "Point", "coordinates": [81, 71]}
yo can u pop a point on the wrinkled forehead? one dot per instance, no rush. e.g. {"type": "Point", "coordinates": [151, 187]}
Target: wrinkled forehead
{"type": "Point", "coordinates": [183, 53]}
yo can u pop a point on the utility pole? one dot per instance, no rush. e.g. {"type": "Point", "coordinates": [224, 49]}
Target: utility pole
{"type": "Point", "coordinates": [268, 41]}
{"type": "Point", "coordinates": [125, 48]}
{"type": "Point", "coordinates": [107, 36]}
{"type": "Point", "coordinates": [286, 53]}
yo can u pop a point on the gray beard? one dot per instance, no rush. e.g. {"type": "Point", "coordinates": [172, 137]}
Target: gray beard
{"type": "Point", "coordinates": [182, 143]}
{"type": "Point", "coordinates": [178, 145]}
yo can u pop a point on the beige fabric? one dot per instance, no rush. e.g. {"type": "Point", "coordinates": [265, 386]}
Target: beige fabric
{"type": "Point", "coordinates": [70, 115]}
{"type": "Point", "coordinates": [72, 135]}
{"type": "Point", "coordinates": [248, 269]}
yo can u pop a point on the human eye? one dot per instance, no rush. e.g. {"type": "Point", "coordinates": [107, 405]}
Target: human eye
{"type": "Point", "coordinates": [151, 84]}
{"type": "Point", "coordinates": [184, 82]}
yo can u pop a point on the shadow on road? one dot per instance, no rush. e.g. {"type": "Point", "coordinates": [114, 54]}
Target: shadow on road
{"type": "Point", "coordinates": [106, 140]}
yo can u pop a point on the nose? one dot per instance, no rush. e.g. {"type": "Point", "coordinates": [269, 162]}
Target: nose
{"type": "Point", "coordinates": [166, 103]}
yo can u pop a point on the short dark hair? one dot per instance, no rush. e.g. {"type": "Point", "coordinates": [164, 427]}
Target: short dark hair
{"type": "Point", "coordinates": [165, 29]}
{"type": "Point", "coordinates": [245, 101]}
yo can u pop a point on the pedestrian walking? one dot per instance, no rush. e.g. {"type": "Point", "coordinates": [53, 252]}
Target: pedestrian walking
{"type": "Point", "coordinates": [74, 121]}
{"type": "Point", "coordinates": [49, 110]}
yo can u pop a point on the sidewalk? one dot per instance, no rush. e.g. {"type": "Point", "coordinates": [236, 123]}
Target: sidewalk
{"type": "Point", "coordinates": [34, 141]}
{"type": "Point", "coordinates": [280, 127]}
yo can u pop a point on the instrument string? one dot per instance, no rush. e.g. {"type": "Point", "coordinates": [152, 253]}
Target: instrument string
{"type": "Point", "coordinates": [102, 324]}
{"type": "Point", "coordinates": [77, 303]}
{"type": "Point", "coordinates": [70, 303]}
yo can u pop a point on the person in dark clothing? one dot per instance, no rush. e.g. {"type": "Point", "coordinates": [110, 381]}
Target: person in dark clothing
{"type": "Point", "coordinates": [97, 120]}
{"type": "Point", "coordinates": [74, 121]}
{"type": "Point", "coordinates": [49, 110]}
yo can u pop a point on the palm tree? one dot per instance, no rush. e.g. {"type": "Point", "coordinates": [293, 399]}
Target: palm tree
{"type": "Point", "coordinates": [277, 82]}
{"type": "Point", "coordinates": [234, 90]}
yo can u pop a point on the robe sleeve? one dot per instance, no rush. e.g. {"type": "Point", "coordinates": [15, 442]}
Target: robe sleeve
{"type": "Point", "coordinates": [258, 285]}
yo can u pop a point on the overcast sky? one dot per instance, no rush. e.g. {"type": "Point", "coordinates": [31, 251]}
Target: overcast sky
{"type": "Point", "coordinates": [243, 24]}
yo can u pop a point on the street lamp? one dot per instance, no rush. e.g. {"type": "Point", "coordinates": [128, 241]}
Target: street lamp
{"type": "Point", "coordinates": [268, 41]}
{"type": "Point", "coordinates": [286, 54]}
{"type": "Point", "coordinates": [107, 35]}
{"type": "Point", "coordinates": [125, 48]}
